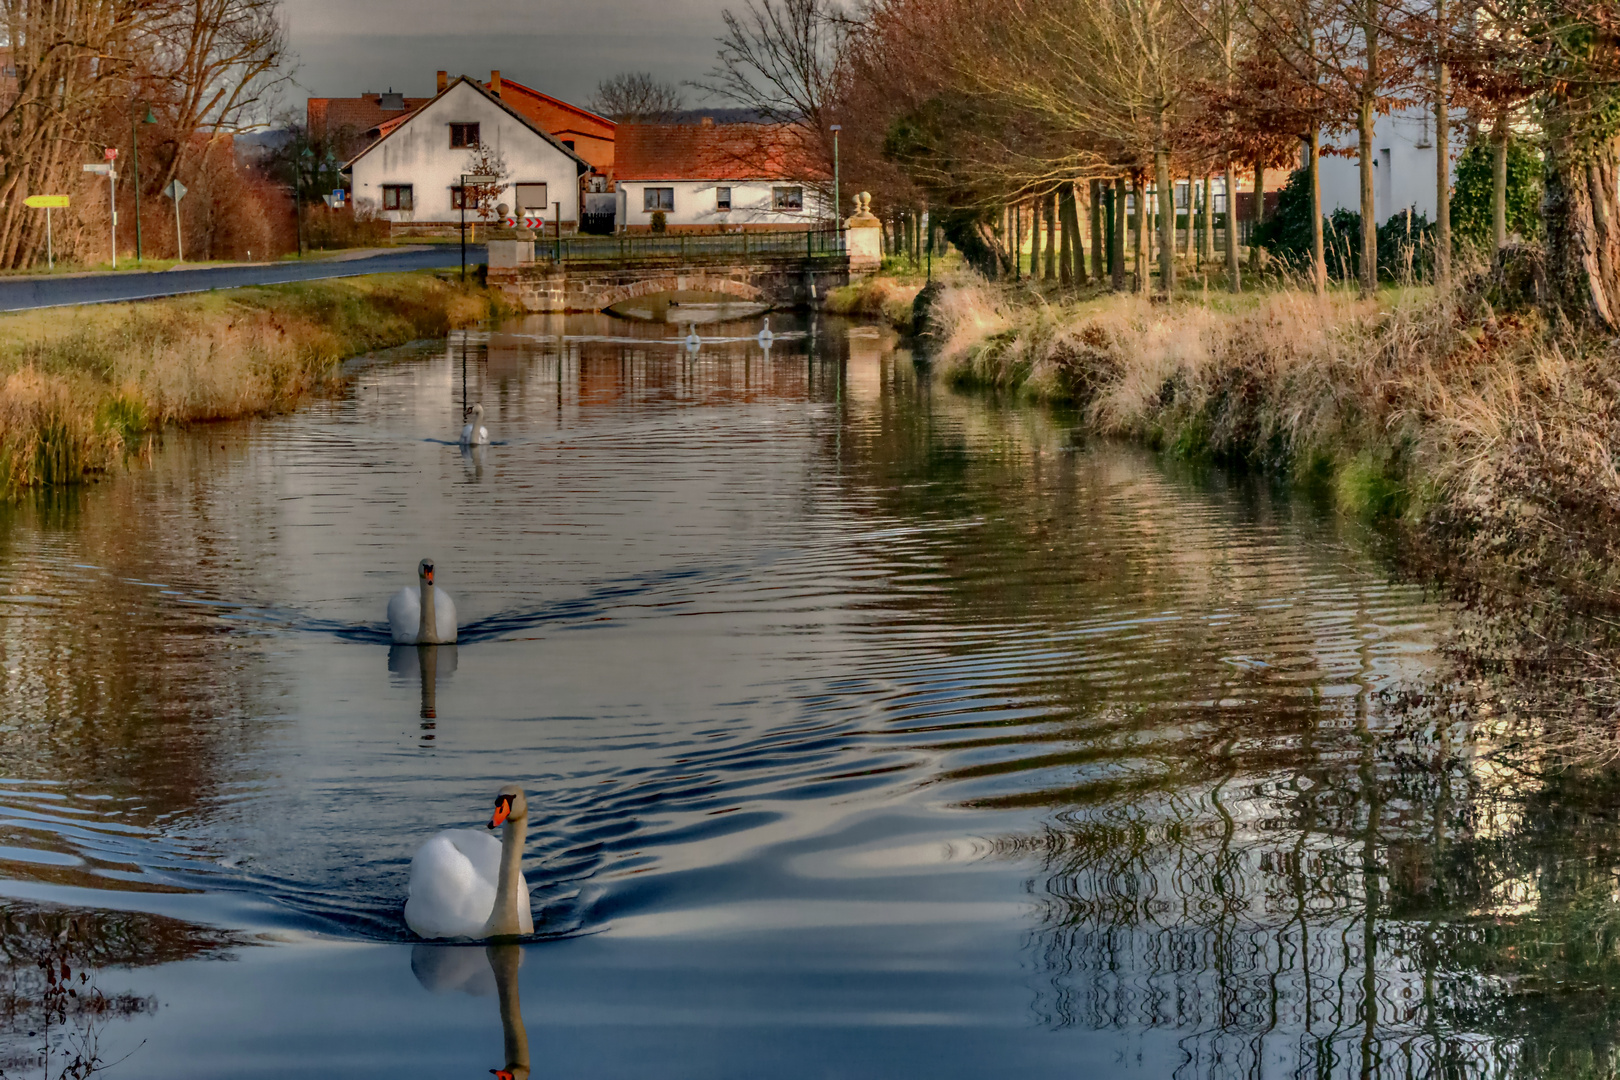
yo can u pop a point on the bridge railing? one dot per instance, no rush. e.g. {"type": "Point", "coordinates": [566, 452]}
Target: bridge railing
{"type": "Point", "coordinates": [690, 247]}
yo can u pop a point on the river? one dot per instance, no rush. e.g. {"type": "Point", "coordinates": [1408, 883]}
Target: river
{"type": "Point", "coordinates": [868, 729]}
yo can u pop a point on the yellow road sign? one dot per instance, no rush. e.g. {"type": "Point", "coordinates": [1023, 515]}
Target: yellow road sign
{"type": "Point", "coordinates": [41, 202]}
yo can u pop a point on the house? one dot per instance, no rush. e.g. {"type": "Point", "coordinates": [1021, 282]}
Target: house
{"type": "Point", "coordinates": [349, 125]}
{"type": "Point", "coordinates": [718, 177]}
{"type": "Point", "coordinates": [588, 135]}
{"type": "Point", "coordinates": [412, 172]}
{"type": "Point", "coordinates": [1403, 164]}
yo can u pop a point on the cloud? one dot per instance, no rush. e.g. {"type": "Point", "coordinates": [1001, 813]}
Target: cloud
{"type": "Point", "coordinates": [563, 48]}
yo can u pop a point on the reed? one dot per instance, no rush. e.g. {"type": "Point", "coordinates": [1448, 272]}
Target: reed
{"type": "Point", "coordinates": [882, 296]}
{"type": "Point", "coordinates": [82, 388]}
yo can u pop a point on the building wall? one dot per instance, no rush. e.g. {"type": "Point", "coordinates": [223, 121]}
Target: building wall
{"type": "Point", "coordinates": [419, 153]}
{"type": "Point", "coordinates": [695, 205]}
{"type": "Point", "coordinates": [1405, 171]}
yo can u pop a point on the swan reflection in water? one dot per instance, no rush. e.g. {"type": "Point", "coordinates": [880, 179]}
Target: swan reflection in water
{"type": "Point", "coordinates": [445, 969]}
{"type": "Point", "coordinates": [426, 663]}
{"type": "Point", "coordinates": [472, 459]}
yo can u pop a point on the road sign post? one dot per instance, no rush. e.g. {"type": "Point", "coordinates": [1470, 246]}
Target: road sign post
{"type": "Point", "coordinates": [465, 180]}
{"type": "Point", "coordinates": [47, 203]}
{"type": "Point", "coordinates": [106, 169]}
{"type": "Point", "coordinates": [177, 191]}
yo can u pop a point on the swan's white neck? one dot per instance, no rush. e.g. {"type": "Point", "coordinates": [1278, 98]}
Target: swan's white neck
{"type": "Point", "coordinates": [505, 920]}
{"type": "Point", "coordinates": [427, 629]}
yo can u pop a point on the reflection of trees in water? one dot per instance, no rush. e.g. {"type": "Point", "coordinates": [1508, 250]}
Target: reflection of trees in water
{"type": "Point", "coordinates": [1361, 918]}
{"type": "Point", "coordinates": [52, 1011]}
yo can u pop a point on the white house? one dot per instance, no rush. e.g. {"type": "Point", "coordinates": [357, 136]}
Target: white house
{"type": "Point", "coordinates": [412, 173]}
{"type": "Point", "coordinates": [717, 178]}
{"type": "Point", "coordinates": [1403, 164]}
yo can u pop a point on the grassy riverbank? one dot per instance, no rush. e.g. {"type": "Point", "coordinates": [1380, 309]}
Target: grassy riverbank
{"type": "Point", "coordinates": [1486, 439]}
{"type": "Point", "coordinates": [81, 388]}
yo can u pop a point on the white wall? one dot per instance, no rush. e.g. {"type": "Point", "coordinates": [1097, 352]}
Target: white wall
{"type": "Point", "coordinates": [1405, 173]}
{"type": "Point", "coordinates": [418, 153]}
{"type": "Point", "coordinates": [695, 204]}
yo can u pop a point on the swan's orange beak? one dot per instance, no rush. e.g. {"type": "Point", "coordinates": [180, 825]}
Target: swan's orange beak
{"type": "Point", "coordinates": [502, 808]}
{"type": "Point", "coordinates": [430, 577]}
{"type": "Point", "coordinates": [501, 1074]}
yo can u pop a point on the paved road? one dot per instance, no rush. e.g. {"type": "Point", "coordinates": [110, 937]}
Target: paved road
{"type": "Point", "coordinates": [20, 294]}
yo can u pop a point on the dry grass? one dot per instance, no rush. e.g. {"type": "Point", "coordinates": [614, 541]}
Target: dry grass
{"type": "Point", "coordinates": [80, 388]}
{"type": "Point", "coordinates": [1487, 439]}
{"type": "Point", "coordinates": [879, 295]}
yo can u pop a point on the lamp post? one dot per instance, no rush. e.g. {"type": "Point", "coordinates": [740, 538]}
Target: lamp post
{"type": "Point", "coordinates": [480, 180]}
{"type": "Point", "coordinates": [838, 214]}
{"type": "Point", "coordinates": [135, 165]}
{"type": "Point", "coordinates": [305, 156]}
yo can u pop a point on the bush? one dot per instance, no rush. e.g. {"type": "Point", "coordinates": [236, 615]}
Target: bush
{"type": "Point", "coordinates": [659, 221]}
{"type": "Point", "coordinates": [352, 226]}
{"type": "Point", "coordinates": [1405, 244]}
{"type": "Point", "coordinates": [1471, 198]}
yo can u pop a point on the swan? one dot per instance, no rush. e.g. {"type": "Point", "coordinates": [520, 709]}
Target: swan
{"type": "Point", "coordinates": [693, 342]}
{"type": "Point", "coordinates": [422, 616]}
{"type": "Point", "coordinates": [465, 883]}
{"type": "Point", "coordinates": [475, 433]}
{"type": "Point", "coordinates": [765, 335]}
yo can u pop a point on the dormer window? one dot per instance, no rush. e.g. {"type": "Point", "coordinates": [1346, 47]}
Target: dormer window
{"type": "Point", "coordinates": [391, 101]}
{"type": "Point", "coordinates": [463, 136]}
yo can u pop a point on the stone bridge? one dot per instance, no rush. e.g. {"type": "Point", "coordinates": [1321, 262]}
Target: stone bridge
{"type": "Point", "coordinates": [593, 280]}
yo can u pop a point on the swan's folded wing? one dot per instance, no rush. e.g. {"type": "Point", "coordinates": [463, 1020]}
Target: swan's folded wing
{"type": "Point", "coordinates": [404, 616]}
{"type": "Point", "coordinates": [452, 888]}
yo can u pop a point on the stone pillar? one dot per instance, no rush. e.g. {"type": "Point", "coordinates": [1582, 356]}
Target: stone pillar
{"type": "Point", "coordinates": [863, 238]}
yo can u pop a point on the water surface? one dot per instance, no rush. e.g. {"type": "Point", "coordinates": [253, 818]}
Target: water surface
{"type": "Point", "coordinates": [868, 730]}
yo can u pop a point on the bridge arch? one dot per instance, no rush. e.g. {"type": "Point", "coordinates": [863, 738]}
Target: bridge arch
{"type": "Point", "coordinates": [722, 284]}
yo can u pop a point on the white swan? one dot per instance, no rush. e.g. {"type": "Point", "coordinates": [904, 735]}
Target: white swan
{"type": "Point", "coordinates": [422, 616]}
{"type": "Point", "coordinates": [474, 433]}
{"type": "Point", "coordinates": [465, 883]}
{"type": "Point", "coordinates": [765, 335]}
{"type": "Point", "coordinates": [693, 342]}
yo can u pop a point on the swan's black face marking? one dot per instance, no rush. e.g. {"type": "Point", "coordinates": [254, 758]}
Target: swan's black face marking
{"type": "Point", "coordinates": [426, 570]}
{"type": "Point", "coordinates": [503, 807]}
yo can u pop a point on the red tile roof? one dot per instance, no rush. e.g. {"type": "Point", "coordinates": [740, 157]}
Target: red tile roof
{"type": "Point", "coordinates": [714, 152]}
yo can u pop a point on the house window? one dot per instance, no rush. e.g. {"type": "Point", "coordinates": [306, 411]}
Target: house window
{"type": "Point", "coordinates": [530, 197]}
{"type": "Point", "coordinates": [463, 136]}
{"type": "Point", "coordinates": [787, 198]}
{"type": "Point", "coordinates": [658, 198]}
{"type": "Point", "coordinates": [568, 143]}
{"type": "Point", "coordinates": [397, 197]}
{"type": "Point", "coordinates": [458, 198]}
{"type": "Point", "coordinates": [722, 198]}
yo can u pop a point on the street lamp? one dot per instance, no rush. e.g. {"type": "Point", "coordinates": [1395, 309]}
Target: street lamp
{"type": "Point", "coordinates": [468, 178]}
{"type": "Point", "coordinates": [135, 162]}
{"type": "Point", "coordinates": [838, 215]}
{"type": "Point", "coordinates": [305, 156]}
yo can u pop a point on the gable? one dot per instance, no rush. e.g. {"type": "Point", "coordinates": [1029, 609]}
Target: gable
{"type": "Point", "coordinates": [465, 101]}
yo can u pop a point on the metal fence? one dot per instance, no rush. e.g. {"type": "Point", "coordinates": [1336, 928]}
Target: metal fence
{"type": "Point", "coordinates": [690, 247]}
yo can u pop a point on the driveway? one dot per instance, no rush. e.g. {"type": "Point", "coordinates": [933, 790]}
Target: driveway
{"type": "Point", "coordinates": [20, 294]}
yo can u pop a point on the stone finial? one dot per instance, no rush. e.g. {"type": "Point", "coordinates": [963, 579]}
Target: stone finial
{"type": "Point", "coordinates": [863, 218]}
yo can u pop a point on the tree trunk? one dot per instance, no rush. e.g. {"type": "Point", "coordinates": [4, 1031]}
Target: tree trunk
{"type": "Point", "coordinates": [1499, 151]}
{"type": "Point", "coordinates": [1257, 215]}
{"type": "Point", "coordinates": [1049, 271]}
{"type": "Point", "coordinates": [1117, 251]}
{"type": "Point", "coordinates": [1442, 164]}
{"type": "Point", "coordinates": [1098, 255]}
{"type": "Point", "coordinates": [1192, 218]}
{"type": "Point", "coordinates": [1234, 273]}
{"type": "Point", "coordinates": [1583, 227]}
{"type": "Point", "coordinates": [1313, 154]}
{"type": "Point", "coordinates": [1139, 232]}
{"type": "Point", "coordinates": [1366, 117]}
{"type": "Point", "coordinates": [1207, 247]}
{"type": "Point", "coordinates": [1072, 259]}
{"type": "Point", "coordinates": [1167, 221]}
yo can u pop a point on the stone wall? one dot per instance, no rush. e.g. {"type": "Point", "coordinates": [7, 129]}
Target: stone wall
{"type": "Point", "coordinates": [543, 287]}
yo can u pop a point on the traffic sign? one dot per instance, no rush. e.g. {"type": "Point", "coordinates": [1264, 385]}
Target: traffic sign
{"type": "Point", "coordinates": [99, 169]}
{"type": "Point", "coordinates": [111, 153]}
{"type": "Point", "coordinates": [175, 190]}
{"type": "Point", "coordinates": [44, 202]}
{"type": "Point", "coordinates": [337, 196]}
{"type": "Point", "coordinates": [480, 180]}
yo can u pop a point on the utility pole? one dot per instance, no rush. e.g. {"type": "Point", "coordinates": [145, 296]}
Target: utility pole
{"type": "Point", "coordinates": [135, 164]}
{"type": "Point", "coordinates": [838, 214]}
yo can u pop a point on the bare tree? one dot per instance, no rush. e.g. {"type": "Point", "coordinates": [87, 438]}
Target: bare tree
{"type": "Point", "coordinates": [636, 97]}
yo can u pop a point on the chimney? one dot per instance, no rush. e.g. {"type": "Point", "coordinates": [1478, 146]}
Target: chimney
{"type": "Point", "coordinates": [707, 121]}
{"type": "Point", "coordinates": [495, 83]}
{"type": "Point", "coordinates": [444, 81]}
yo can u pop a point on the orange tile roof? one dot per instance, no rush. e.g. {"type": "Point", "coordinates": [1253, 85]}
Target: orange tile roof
{"type": "Point", "coordinates": [357, 115]}
{"type": "Point", "coordinates": [713, 152]}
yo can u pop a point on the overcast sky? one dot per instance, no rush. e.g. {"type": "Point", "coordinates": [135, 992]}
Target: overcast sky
{"type": "Point", "coordinates": [563, 47]}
